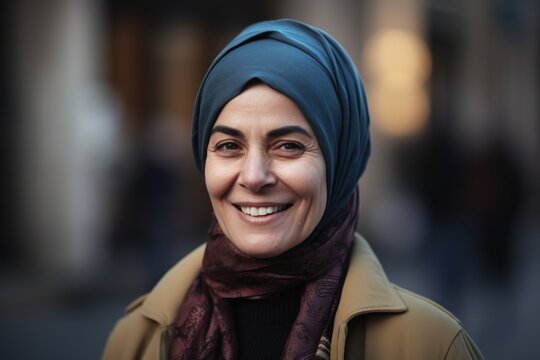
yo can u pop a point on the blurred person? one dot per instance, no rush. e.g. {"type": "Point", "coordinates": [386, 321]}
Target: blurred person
{"type": "Point", "coordinates": [451, 250]}
{"type": "Point", "coordinates": [150, 215]}
{"type": "Point", "coordinates": [281, 134]}
{"type": "Point", "coordinates": [494, 194]}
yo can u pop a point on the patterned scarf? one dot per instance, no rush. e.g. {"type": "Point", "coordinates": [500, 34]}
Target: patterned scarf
{"type": "Point", "coordinates": [204, 327]}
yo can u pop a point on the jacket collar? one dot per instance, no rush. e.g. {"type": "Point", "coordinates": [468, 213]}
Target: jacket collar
{"type": "Point", "coordinates": [163, 302]}
{"type": "Point", "coordinates": [366, 288]}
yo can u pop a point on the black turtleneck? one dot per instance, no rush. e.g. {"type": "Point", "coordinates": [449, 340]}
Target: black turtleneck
{"type": "Point", "coordinates": [263, 325]}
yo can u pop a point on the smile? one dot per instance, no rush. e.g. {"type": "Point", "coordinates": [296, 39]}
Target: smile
{"type": "Point", "coordinates": [262, 210]}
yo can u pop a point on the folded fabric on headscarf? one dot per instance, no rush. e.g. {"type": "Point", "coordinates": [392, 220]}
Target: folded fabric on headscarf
{"type": "Point", "coordinates": [312, 69]}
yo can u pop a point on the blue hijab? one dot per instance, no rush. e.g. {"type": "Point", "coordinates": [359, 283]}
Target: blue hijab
{"type": "Point", "coordinates": [311, 68]}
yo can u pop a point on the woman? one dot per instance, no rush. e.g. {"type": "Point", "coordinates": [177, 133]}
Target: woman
{"type": "Point", "coordinates": [280, 130]}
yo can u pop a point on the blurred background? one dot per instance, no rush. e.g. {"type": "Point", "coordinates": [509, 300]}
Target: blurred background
{"type": "Point", "coordinates": [100, 194]}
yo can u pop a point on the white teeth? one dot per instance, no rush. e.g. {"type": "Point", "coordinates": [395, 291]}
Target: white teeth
{"type": "Point", "coordinates": [261, 211]}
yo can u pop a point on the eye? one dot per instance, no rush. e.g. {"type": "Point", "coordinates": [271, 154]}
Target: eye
{"type": "Point", "coordinates": [227, 148]}
{"type": "Point", "coordinates": [290, 148]}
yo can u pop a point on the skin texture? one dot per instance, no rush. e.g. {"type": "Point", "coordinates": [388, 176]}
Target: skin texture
{"type": "Point", "coordinates": [263, 153]}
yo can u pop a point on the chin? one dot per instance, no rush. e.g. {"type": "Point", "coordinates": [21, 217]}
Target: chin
{"type": "Point", "coordinates": [260, 246]}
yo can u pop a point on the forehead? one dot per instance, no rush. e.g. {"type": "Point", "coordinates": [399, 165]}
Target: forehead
{"type": "Point", "coordinates": [261, 106]}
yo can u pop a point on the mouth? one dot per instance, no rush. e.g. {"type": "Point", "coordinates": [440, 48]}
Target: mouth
{"type": "Point", "coordinates": [257, 211]}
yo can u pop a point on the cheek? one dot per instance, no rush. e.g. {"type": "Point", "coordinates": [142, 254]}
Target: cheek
{"type": "Point", "coordinates": [216, 178]}
{"type": "Point", "coordinates": [317, 191]}
{"type": "Point", "coordinates": [315, 187]}
{"type": "Point", "coordinates": [308, 180]}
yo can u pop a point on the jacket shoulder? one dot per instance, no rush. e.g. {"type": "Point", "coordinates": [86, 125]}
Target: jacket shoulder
{"type": "Point", "coordinates": [425, 331]}
{"type": "Point", "coordinates": [133, 336]}
{"type": "Point", "coordinates": [135, 304]}
{"type": "Point", "coordinates": [422, 309]}
{"type": "Point", "coordinates": [450, 340]}
{"type": "Point", "coordinates": [145, 325]}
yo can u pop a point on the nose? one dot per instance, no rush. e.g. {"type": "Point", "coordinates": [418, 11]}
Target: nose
{"type": "Point", "coordinates": [256, 173]}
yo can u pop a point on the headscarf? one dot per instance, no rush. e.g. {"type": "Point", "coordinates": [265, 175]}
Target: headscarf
{"type": "Point", "coordinates": [311, 68]}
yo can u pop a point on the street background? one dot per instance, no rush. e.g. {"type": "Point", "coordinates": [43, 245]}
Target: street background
{"type": "Point", "coordinates": [100, 194]}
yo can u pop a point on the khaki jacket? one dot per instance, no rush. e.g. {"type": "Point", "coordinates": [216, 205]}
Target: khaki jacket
{"type": "Point", "coordinates": [375, 319]}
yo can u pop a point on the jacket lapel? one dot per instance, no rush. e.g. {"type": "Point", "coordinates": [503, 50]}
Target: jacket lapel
{"type": "Point", "coordinates": [366, 290]}
{"type": "Point", "coordinates": [162, 303]}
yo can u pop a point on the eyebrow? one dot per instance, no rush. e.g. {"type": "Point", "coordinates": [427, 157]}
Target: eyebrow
{"type": "Point", "coordinates": [288, 130]}
{"type": "Point", "coordinates": [272, 134]}
{"type": "Point", "coordinates": [227, 131]}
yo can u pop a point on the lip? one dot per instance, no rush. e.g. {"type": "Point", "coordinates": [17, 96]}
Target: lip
{"type": "Point", "coordinates": [260, 204]}
{"type": "Point", "coordinates": [264, 219]}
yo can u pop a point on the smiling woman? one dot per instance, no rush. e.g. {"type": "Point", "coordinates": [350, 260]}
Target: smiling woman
{"type": "Point", "coordinates": [281, 133]}
{"type": "Point", "coordinates": [265, 173]}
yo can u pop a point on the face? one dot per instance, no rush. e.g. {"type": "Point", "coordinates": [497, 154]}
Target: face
{"type": "Point", "coordinates": [265, 173]}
